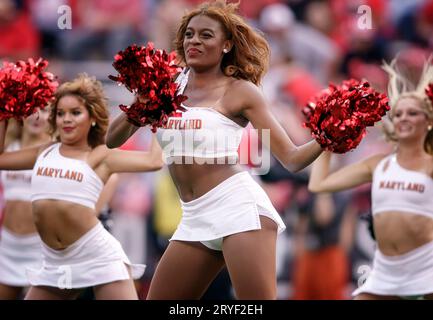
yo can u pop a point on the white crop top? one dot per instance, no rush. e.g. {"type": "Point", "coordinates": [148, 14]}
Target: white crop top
{"type": "Point", "coordinates": [61, 178]}
{"type": "Point", "coordinates": [16, 184]}
{"type": "Point", "coordinates": [199, 132]}
{"type": "Point", "coordinates": [395, 188]}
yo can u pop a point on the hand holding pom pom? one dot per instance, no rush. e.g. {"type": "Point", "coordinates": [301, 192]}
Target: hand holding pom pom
{"type": "Point", "coordinates": [24, 88]}
{"type": "Point", "coordinates": [339, 116]}
{"type": "Point", "coordinates": [149, 74]}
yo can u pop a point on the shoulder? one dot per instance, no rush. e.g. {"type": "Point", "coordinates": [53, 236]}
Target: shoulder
{"type": "Point", "coordinates": [99, 153]}
{"type": "Point", "coordinates": [246, 93]}
{"type": "Point", "coordinates": [244, 86]}
{"type": "Point", "coordinates": [373, 161]}
{"type": "Point", "coordinates": [45, 146]}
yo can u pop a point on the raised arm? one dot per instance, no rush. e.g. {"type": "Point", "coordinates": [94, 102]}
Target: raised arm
{"type": "Point", "coordinates": [256, 110]}
{"type": "Point", "coordinates": [345, 178]}
{"type": "Point", "coordinates": [23, 159]}
{"type": "Point", "coordinates": [119, 131]}
{"type": "Point", "coordinates": [134, 161]}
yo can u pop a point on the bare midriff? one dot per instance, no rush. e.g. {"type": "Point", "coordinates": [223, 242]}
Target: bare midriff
{"type": "Point", "coordinates": [194, 180]}
{"type": "Point", "coordinates": [400, 232]}
{"type": "Point", "coordinates": [61, 223]}
{"type": "Point", "coordinates": [18, 217]}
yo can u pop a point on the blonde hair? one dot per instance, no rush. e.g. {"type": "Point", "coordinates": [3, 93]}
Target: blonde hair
{"type": "Point", "coordinates": [90, 92]}
{"type": "Point", "coordinates": [399, 87]}
{"type": "Point", "coordinates": [249, 57]}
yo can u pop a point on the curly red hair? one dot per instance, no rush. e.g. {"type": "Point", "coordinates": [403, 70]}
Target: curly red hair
{"type": "Point", "coordinates": [249, 57]}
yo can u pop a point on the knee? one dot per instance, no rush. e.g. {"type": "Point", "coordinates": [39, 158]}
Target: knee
{"type": "Point", "coordinates": [268, 292]}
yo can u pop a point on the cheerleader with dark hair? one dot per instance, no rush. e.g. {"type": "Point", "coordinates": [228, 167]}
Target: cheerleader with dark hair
{"type": "Point", "coordinates": [228, 220]}
{"type": "Point", "coordinates": [67, 179]}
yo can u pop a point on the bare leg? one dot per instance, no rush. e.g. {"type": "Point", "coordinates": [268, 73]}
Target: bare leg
{"type": "Point", "coordinates": [10, 292]}
{"type": "Point", "coordinates": [52, 293]}
{"type": "Point", "coordinates": [117, 290]}
{"type": "Point", "coordinates": [185, 271]}
{"type": "Point", "coordinates": [370, 296]}
{"type": "Point", "coordinates": [251, 261]}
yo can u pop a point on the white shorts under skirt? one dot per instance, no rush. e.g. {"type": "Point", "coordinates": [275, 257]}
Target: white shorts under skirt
{"type": "Point", "coordinates": [18, 252]}
{"type": "Point", "coordinates": [96, 258]}
{"type": "Point", "coordinates": [410, 274]}
{"type": "Point", "coordinates": [233, 206]}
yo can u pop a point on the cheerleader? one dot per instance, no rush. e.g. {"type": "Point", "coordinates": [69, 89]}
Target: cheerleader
{"type": "Point", "coordinates": [227, 217]}
{"type": "Point", "coordinates": [19, 240]}
{"type": "Point", "coordinates": [402, 194]}
{"type": "Point", "coordinates": [67, 179]}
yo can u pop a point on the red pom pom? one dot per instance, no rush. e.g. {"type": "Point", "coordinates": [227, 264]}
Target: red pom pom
{"type": "Point", "coordinates": [429, 92]}
{"type": "Point", "coordinates": [25, 87]}
{"type": "Point", "coordinates": [149, 73]}
{"type": "Point", "coordinates": [340, 115]}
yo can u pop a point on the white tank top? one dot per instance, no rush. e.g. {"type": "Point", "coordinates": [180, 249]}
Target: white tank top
{"type": "Point", "coordinates": [395, 188]}
{"type": "Point", "coordinates": [61, 178]}
{"type": "Point", "coordinates": [199, 132]}
{"type": "Point", "coordinates": [16, 184]}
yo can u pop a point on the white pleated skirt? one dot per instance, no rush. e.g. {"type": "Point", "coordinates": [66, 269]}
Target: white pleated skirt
{"type": "Point", "coordinates": [410, 274]}
{"type": "Point", "coordinates": [94, 259]}
{"type": "Point", "coordinates": [233, 206]}
{"type": "Point", "coordinates": [18, 252]}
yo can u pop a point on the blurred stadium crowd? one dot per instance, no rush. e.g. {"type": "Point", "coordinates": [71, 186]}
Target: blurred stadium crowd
{"type": "Point", "coordinates": [327, 249]}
